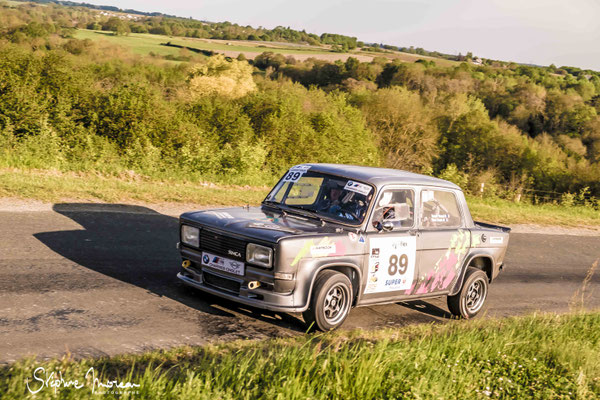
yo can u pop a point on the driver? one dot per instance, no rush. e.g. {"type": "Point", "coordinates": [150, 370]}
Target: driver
{"type": "Point", "coordinates": [332, 200]}
{"type": "Point", "coordinates": [351, 206]}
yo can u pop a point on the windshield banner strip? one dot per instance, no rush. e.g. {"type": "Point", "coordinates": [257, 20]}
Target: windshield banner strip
{"type": "Point", "coordinates": [357, 187]}
{"type": "Point", "coordinates": [303, 168]}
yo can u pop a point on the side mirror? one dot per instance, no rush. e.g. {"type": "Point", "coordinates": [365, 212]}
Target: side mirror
{"type": "Point", "coordinates": [387, 226]}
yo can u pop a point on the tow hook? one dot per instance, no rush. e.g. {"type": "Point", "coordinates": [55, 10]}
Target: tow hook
{"type": "Point", "coordinates": [253, 285]}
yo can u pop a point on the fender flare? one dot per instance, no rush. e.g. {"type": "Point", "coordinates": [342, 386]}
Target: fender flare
{"type": "Point", "coordinates": [459, 282]}
{"type": "Point", "coordinates": [332, 265]}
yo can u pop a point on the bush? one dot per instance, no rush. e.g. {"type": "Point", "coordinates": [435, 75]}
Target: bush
{"type": "Point", "coordinates": [403, 128]}
{"type": "Point", "coordinates": [299, 125]}
{"type": "Point", "coordinates": [219, 76]}
{"type": "Point", "coordinates": [452, 174]}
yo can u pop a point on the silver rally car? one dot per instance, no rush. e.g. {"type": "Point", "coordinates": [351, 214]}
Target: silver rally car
{"type": "Point", "coordinates": [330, 237]}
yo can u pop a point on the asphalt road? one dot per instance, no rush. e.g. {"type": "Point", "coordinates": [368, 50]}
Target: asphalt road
{"type": "Point", "coordinates": [98, 280]}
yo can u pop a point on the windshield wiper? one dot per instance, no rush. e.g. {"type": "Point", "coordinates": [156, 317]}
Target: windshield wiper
{"type": "Point", "coordinates": [307, 213]}
{"type": "Point", "coordinates": [275, 205]}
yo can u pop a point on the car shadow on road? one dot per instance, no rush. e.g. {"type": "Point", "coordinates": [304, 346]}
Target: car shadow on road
{"type": "Point", "coordinates": [426, 308]}
{"type": "Point", "coordinates": [137, 245]}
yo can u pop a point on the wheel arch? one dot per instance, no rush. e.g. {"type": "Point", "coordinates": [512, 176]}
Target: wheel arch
{"type": "Point", "coordinates": [350, 270]}
{"type": "Point", "coordinates": [483, 262]}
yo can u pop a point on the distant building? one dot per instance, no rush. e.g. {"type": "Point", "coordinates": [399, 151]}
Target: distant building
{"type": "Point", "coordinates": [477, 61]}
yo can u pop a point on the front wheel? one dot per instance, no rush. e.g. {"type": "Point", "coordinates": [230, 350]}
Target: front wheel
{"type": "Point", "coordinates": [330, 301]}
{"type": "Point", "coordinates": [469, 301]}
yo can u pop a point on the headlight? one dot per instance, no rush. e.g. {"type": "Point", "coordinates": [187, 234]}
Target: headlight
{"type": "Point", "coordinates": [259, 255]}
{"type": "Point", "coordinates": [190, 235]}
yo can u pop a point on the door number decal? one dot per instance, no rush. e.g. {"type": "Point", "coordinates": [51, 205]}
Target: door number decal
{"type": "Point", "coordinates": [391, 263]}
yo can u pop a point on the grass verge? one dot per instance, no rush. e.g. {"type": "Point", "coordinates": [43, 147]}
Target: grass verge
{"type": "Point", "coordinates": [56, 186]}
{"type": "Point", "coordinates": [508, 212]}
{"type": "Point", "coordinates": [538, 356]}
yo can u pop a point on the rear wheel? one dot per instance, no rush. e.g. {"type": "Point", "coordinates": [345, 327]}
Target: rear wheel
{"type": "Point", "coordinates": [330, 301]}
{"type": "Point", "coordinates": [470, 300]}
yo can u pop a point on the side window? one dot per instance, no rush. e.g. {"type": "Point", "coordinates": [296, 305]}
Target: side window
{"type": "Point", "coordinates": [396, 206]}
{"type": "Point", "coordinates": [439, 209]}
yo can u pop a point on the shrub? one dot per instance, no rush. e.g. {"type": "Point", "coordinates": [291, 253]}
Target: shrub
{"type": "Point", "coordinates": [452, 174]}
{"type": "Point", "coordinates": [403, 128]}
{"type": "Point", "coordinates": [219, 76]}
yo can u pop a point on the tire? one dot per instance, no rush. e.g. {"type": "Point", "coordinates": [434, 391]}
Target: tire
{"type": "Point", "coordinates": [330, 301]}
{"type": "Point", "coordinates": [470, 300]}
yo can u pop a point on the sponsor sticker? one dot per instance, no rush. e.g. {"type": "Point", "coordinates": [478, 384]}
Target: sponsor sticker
{"type": "Point", "coordinates": [303, 168]}
{"type": "Point", "coordinates": [220, 214]}
{"type": "Point", "coordinates": [496, 240]}
{"type": "Point", "coordinates": [274, 227]}
{"type": "Point", "coordinates": [223, 264]}
{"type": "Point", "coordinates": [358, 187]}
{"type": "Point", "coordinates": [375, 267]}
{"type": "Point", "coordinates": [352, 236]}
{"type": "Point", "coordinates": [322, 250]}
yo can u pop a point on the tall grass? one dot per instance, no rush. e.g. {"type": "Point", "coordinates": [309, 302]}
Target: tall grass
{"type": "Point", "coordinates": [540, 356]}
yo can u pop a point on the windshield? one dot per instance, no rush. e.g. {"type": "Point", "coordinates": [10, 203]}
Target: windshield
{"type": "Point", "coordinates": [324, 195]}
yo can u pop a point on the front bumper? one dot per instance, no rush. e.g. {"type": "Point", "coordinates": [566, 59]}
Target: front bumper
{"type": "Point", "coordinates": [258, 298]}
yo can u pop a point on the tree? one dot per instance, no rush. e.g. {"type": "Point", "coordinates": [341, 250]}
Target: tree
{"type": "Point", "coordinates": [405, 132]}
{"type": "Point", "coordinates": [116, 25]}
{"type": "Point", "coordinates": [351, 66]}
{"type": "Point", "coordinates": [219, 76]}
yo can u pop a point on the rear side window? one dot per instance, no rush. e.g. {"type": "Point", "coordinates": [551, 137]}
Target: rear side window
{"type": "Point", "coordinates": [439, 208]}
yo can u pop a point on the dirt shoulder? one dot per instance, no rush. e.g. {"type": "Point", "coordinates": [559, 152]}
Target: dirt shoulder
{"type": "Point", "coordinates": [175, 209]}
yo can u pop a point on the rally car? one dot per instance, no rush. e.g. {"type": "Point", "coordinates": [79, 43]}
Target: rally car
{"type": "Point", "coordinates": [331, 237]}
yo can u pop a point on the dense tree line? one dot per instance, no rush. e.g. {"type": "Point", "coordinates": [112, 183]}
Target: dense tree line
{"type": "Point", "coordinates": [563, 104]}
{"type": "Point", "coordinates": [81, 105]}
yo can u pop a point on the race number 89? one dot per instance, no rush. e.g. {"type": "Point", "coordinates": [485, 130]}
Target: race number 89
{"type": "Point", "coordinates": [398, 264]}
{"type": "Point", "coordinates": [293, 176]}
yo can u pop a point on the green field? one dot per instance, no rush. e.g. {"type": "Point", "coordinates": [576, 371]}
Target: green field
{"type": "Point", "coordinates": [144, 43]}
{"type": "Point", "coordinates": [540, 356]}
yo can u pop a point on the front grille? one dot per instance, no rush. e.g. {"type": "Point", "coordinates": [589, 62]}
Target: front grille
{"type": "Point", "coordinates": [221, 283]}
{"type": "Point", "coordinates": [226, 246]}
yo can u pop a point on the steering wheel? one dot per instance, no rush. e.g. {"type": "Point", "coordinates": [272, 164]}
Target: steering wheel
{"type": "Point", "coordinates": [351, 213]}
{"type": "Point", "coordinates": [340, 211]}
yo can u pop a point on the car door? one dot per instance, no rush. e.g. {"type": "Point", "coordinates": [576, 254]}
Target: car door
{"type": "Point", "coordinates": [442, 241]}
{"type": "Point", "coordinates": [390, 263]}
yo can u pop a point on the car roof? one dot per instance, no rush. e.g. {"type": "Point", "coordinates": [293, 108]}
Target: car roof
{"type": "Point", "coordinates": [381, 176]}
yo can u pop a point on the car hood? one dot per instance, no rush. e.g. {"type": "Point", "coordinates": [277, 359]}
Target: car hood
{"type": "Point", "coordinates": [259, 222]}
